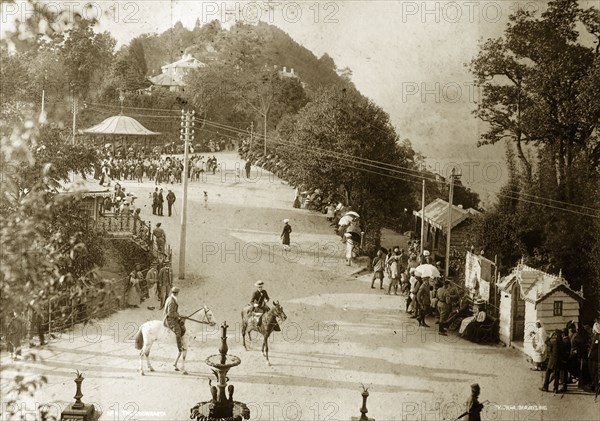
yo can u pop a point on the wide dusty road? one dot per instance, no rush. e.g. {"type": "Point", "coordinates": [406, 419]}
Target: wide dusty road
{"type": "Point", "coordinates": [339, 332]}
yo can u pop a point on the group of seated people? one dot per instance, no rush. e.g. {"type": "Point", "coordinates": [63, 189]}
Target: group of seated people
{"type": "Point", "coordinates": [469, 326]}
{"type": "Point", "coordinates": [470, 322]}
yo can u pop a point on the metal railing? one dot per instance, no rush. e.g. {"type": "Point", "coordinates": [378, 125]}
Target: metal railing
{"type": "Point", "coordinates": [125, 224]}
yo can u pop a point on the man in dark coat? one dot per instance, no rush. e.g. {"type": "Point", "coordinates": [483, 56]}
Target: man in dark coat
{"type": "Point", "coordinates": [259, 300]}
{"type": "Point", "coordinates": [160, 237]}
{"type": "Point", "coordinates": [172, 319]}
{"type": "Point", "coordinates": [424, 300]}
{"type": "Point", "coordinates": [247, 167]}
{"type": "Point", "coordinates": [474, 407]}
{"type": "Point", "coordinates": [154, 200]}
{"type": "Point", "coordinates": [556, 353]}
{"type": "Point", "coordinates": [165, 281]}
{"type": "Point", "coordinates": [170, 200]}
{"type": "Point", "coordinates": [160, 202]}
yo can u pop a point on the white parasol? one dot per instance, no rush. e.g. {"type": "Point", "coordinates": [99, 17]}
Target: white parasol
{"type": "Point", "coordinates": [345, 220]}
{"type": "Point", "coordinates": [352, 213]}
{"type": "Point", "coordinates": [428, 271]}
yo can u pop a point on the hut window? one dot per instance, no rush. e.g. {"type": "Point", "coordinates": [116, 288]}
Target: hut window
{"type": "Point", "coordinates": [558, 307]}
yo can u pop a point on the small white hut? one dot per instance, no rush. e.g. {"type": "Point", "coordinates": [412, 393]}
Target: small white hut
{"type": "Point", "coordinates": [528, 295]}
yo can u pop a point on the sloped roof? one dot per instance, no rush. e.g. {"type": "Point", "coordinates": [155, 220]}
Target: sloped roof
{"type": "Point", "coordinates": [120, 125]}
{"type": "Point", "coordinates": [535, 285]}
{"type": "Point", "coordinates": [84, 187]}
{"type": "Point", "coordinates": [436, 213]}
{"type": "Point", "coordinates": [165, 79]}
{"type": "Point", "coordinates": [186, 61]}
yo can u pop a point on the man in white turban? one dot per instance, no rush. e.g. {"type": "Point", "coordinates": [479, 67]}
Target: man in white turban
{"type": "Point", "coordinates": [537, 348]}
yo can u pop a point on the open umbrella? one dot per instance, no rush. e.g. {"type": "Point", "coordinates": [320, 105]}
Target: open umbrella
{"type": "Point", "coordinates": [428, 271]}
{"type": "Point", "coordinates": [352, 213]}
{"type": "Point", "coordinates": [345, 220]}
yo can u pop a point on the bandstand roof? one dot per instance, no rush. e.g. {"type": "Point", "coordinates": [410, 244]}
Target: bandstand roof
{"type": "Point", "coordinates": [120, 125]}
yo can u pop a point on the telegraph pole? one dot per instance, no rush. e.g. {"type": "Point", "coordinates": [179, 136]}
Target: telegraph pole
{"type": "Point", "coordinates": [251, 133]}
{"type": "Point", "coordinates": [265, 134]}
{"type": "Point", "coordinates": [449, 229]}
{"type": "Point", "coordinates": [423, 216]}
{"type": "Point", "coordinates": [74, 115]}
{"type": "Point", "coordinates": [187, 135]}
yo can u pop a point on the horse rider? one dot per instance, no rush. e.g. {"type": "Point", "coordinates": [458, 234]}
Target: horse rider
{"type": "Point", "coordinates": [172, 319]}
{"type": "Point", "coordinates": [259, 300]}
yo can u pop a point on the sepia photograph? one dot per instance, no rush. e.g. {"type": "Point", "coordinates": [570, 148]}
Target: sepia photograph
{"type": "Point", "coordinates": [299, 210]}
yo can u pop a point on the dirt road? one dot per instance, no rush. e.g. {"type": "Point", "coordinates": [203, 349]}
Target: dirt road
{"type": "Point", "coordinates": [339, 332]}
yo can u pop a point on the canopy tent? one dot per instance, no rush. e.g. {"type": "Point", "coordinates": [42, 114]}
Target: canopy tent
{"type": "Point", "coordinates": [120, 125]}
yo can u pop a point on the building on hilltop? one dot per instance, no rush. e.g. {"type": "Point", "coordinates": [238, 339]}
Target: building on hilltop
{"type": "Point", "coordinates": [291, 74]}
{"type": "Point", "coordinates": [173, 74]}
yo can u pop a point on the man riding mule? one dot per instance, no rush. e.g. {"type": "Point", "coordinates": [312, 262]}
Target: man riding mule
{"type": "Point", "coordinates": [172, 319]}
{"type": "Point", "coordinates": [258, 302]}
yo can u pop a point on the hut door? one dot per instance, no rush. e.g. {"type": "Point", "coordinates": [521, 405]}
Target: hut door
{"type": "Point", "coordinates": [518, 314]}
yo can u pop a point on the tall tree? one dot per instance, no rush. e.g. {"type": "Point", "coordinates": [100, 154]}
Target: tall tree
{"type": "Point", "coordinates": [340, 124]}
{"type": "Point", "coordinates": [538, 81]}
{"type": "Point", "coordinates": [86, 54]}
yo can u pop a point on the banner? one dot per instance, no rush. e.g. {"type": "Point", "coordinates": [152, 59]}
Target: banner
{"type": "Point", "coordinates": [478, 275]}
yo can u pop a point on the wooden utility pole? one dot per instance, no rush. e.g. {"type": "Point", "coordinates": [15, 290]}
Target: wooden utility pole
{"type": "Point", "coordinates": [74, 115]}
{"type": "Point", "coordinates": [422, 216]}
{"type": "Point", "coordinates": [251, 133]}
{"type": "Point", "coordinates": [187, 135]}
{"type": "Point", "coordinates": [449, 229]}
{"type": "Point", "coordinates": [265, 134]}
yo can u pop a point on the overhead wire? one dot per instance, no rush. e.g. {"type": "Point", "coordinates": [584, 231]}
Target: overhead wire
{"type": "Point", "coordinates": [354, 160]}
{"type": "Point", "coordinates": [359, 160]}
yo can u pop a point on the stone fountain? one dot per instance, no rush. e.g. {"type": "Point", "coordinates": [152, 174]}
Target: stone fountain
{"type": "Point", "coordinates": [221, 407]}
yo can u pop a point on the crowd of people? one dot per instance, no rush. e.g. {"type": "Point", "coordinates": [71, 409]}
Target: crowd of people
{"type": "Point", "coordinates": [427, 295]}
{"type": "Point", "coordinates": [155, 285]}
{"type": "Point", "coordinates": [167, 170]}
{"type": "Point", "coordinates": [568, 355]}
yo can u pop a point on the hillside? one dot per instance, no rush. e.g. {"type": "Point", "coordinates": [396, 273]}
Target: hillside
{"type": "Point", "coordinates": [256, 44]}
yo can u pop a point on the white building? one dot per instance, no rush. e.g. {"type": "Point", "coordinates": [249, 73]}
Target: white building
{"type": "Point", "coordinates": [173, 74]}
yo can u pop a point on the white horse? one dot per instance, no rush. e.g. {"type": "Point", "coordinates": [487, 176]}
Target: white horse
{"type": "Point", "coordinates": [155, 330]}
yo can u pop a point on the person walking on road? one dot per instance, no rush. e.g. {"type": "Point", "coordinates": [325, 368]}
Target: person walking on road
{"type": "Point", "coordinates": [248, 167]}
{"type": "Point", "coordinates": [285, 234]}
{"type": "Point", "coordinates": [165, 282]}
{"type": "Point", "coordinates": [161, 238]}
{"type": "Point", "coordinates": [378, 262]}
{"type": "Point", "coordinates": [170, 200]}
{"type": "Point", "coordinates": [152, 282]}
{"type": "Point", "coordinates": [134, 292]}
{"type": "Point", "coordinates": [394, 262]}
{"type": "Point", "coordinates": [474, 407]}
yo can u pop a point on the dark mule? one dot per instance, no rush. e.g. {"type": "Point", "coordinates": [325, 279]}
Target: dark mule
{"type": "Point", "coordinates": [267, 326]}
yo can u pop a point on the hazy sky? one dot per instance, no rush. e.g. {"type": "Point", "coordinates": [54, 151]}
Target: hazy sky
{"type": "Point", "coordinates": [407, 56]}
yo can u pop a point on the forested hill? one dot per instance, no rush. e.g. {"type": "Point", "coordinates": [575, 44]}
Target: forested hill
{"type": "Point", "coordinates": [257, 44]}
